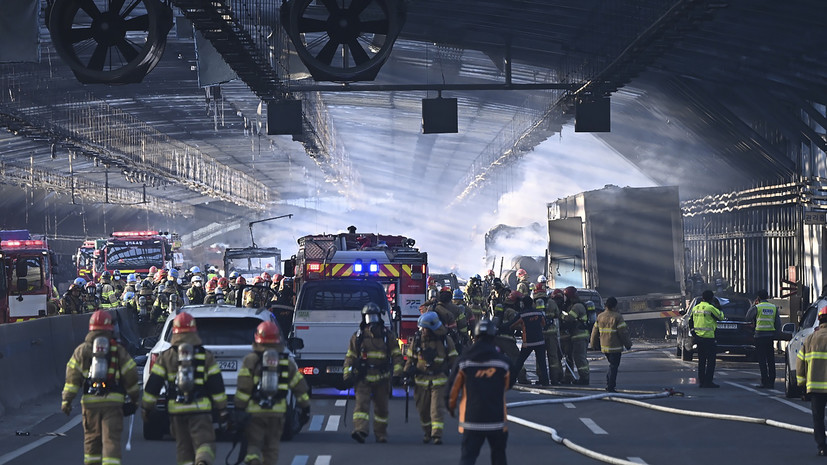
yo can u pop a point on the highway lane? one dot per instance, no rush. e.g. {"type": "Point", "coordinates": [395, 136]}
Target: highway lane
{"type": "Point", "coordinates": [624, 431]}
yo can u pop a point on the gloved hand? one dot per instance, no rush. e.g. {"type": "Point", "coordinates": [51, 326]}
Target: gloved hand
{"type": "Point", "coordinates": [304, 415]}
{"type": "Point", "coordinates": [129, 408]}
{"type": "Point", "coordinates": [66, 408]}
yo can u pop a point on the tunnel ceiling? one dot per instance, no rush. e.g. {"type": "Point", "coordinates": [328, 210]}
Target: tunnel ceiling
{"type": "Point", "coordinates": [731, 86]}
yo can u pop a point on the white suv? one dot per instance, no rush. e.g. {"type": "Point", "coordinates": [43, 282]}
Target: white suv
{"type": "Point", "coordinates": [808, 324]}
{"type": "Point", "coordinates": [226, 331]}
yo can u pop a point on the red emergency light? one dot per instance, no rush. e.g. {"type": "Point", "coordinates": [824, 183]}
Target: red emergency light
{"type": "Point", "coordinates": [26, 243]}
{"type": "Point", "coordinates": [314, 267]}
{"type": "Point", "coordinates": [134, 233]}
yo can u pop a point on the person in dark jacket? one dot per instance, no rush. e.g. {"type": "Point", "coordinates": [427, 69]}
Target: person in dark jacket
{"type": "Point", "coordinates": [532, 322]}
{"type": "Point", "coordinates": [478, 384]}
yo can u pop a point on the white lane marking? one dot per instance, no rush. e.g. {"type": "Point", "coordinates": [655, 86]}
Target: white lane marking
{"type": "Point", "coordinates": [6, 458]}
{"type": "Point", "coordinates": [667, 353]}
{"type": "Point", "coordinates": [783, 401]}
{"type": "Point", "coordinates": [341, 402]}
{"type": "Point", "coordinates": [333, 423]}
{"type": "Point", "coordinates": [569, 405]}
{"type": "Point", "coordinates": [593, 426]}
{"type": "Point", "coordinates": [323, 460]}
{"type": "Point", "coordinates": [316, 423]}
{"type": "Point", "coordinates": [637, 460]}
{"type": "Point", "coordinates": [722, 373]}
{"type": "Point", "coordinates": [300, 460]}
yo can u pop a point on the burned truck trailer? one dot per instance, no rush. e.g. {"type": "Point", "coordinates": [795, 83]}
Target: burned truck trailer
{"type": "Point", "coordinates": [623, 242]}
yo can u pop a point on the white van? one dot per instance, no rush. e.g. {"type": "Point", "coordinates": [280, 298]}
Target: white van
{"type": "Point", "coordinates": [327, 314]}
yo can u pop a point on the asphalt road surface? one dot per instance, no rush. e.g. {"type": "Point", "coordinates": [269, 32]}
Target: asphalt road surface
{"type": "Point", "coordinates": [628, 432]}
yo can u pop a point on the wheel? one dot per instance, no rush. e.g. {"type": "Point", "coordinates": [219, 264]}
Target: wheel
{"type": "Point", "coordinates": [110, 41]}
{"type": "Point", "coordinates": [791, 388]}
{"type": "Point", "coordinates": [156, 426]}
{"type": "Point", "coordinates": [343, 40]}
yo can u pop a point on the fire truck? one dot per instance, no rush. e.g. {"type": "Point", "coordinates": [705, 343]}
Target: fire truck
{"type": "Point", "coordinates": [28, 270]}
{"type": "Point", "coordinates": [84, 258]}
{"type": "Point", "coordinates": [390, 260]}
{"type": "Point", "coordinates": [136, 252]}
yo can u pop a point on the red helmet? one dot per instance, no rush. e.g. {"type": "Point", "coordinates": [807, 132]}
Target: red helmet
{"type": "Point", "coordinates": [570, 292]}
{"type": "Point", "coordinates": [101, 320]}
{"type": "Point", "coordinates": [515, 296]}
{"type": "Point", "coordinates": [153, 270]}
{"type": "Point", "coordinates": [240, 281]}
{"type": "Point", "coordinates": [521, 272]}
{"type": "Point", "coordinates": [490, 273]}
{"type": "Point", "coordinates": [90, 284]}
{"type": "Point", "coordinates": [822, 311]}
{"type": "Point", "coordinates": [268, 333]}
{"type": "Point", "coordinates": [257, 280]}
{"type": "Point", "coordinates": [223, 282]}
{"type": "Point", "coordinates": [556, 293]}
{"type": "Point", "coordinates": [266, 276]}
{"type": "Point", "coordinates": [445, 289]}
{"type": "Point", "coordinates": [431, 280]}
{"type": "Point", "coordinates": [277, 277]}
{"type": "Point", "coordinates": [211, 285]}
{"type": "Point", "coordinates": [539, 287]}
{"type": "Point", "coordinates": [184, 323]}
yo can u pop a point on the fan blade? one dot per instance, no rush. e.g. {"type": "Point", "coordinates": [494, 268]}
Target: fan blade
{"type": "Point", "coordinates": [358, 6]}
{"type": "Point", "coordinates": [359, 54]}
{"type": "Point", "coordinates": [80, 34]}
{"type": "Point", "coordinates": [127, 50]}
{"type": "Point", "coordinates": [138, 23]}
{"type": "Point", "coordinates": [326, 55]}
{"type": "Point", "coordinates": [116, 5]}
{"type": "Point", "coordinates": [312, 25]}
{"type": "Point", "coordinates": [331, 5]}
{"type": "Point", "coordinates": [90, 8]}
{"type": "Point", "coordinates": [98, 58]}
{"type": "Point", "coordinates": [380, 26]}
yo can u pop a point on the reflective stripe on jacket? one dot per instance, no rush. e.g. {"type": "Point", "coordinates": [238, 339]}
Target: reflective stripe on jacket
{"type": "Point", "coordinates": [705, 317]}
{"type": "Point", "coordinates": [811, 366]}
{"type": "Point", "coordinates": [765, 317]}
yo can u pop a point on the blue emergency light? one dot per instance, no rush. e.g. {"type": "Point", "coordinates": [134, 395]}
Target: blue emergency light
{"type": "Point", "coordinates": [374, 267]}
{"type": "Point", "coordinates": [357, 266]}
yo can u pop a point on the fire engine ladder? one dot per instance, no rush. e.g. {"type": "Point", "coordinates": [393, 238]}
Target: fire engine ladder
{"type": "Point", "coordinates": [219, 24]}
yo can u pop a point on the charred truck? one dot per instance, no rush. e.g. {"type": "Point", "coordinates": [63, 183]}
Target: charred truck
{"type": "Point", "coordinates": [623, 242]}
{"type": "Point", "coordinates": [136, 252]}
{"type": "Point", "coordinates": [28, 279]}
{"type": "Point", "coordinates": [335, 275]}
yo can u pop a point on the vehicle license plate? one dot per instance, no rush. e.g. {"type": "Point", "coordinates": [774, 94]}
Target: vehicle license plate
{"type": "Point", "coordinates": [335, 369]}
{"type": "Point", "coordinates": [727, 326]}
{"type": "Point", "coordinates": [638, 306]}
{"type": "Point", "coordinates": [228, 365]}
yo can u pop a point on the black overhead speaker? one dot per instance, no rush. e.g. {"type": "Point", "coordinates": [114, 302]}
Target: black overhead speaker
{"type": "Point", "coordinates": [439, 115]}
{"type": "Point", "coordinates": [592, 114]}
{"type": "Point", "coordinates": [284, 117]}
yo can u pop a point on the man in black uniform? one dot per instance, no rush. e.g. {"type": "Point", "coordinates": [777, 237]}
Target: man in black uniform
{"type": "Point", "coordinates": [479, 381]}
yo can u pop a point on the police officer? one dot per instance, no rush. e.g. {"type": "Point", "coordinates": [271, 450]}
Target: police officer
{"type": "Point", "coordinates": [703, 322]}
{"type": "Point", "coordinates": [196, 292]}
{"type": "Point", "coordinates": [71, 302]}
{"type": "Point", "coordinates": [811, 373]}
{"type": "Point", "coordinates": [610, 334]}
{"type": "Point", "coordinates": [105, 375]}
{"type": "Point", "coordinates": [194, 388]}
{"type": "Point", "coordinates": [265, 377]}
{"type": "Point", "coordinates": [373, 355]}
{"type": "Point", "coordinates": [532, 322]}
{"type": "Point", "coordinates": [478, 384]}
{"type": "Point", "coordinates": [767, 327]}
{"type": "Point", "coordinates": [430, 358]}
{"type": "Point", "coordinates": [574, 314]}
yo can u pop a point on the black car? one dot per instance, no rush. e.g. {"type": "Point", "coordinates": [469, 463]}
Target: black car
{"type": "Point", "coordinates": [734, 334]}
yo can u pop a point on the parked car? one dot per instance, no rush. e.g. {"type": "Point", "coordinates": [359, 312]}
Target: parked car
{"type": "Point", "coordinates": [809, 323]}
{"type": "Point", "coordinates": [226, 331]}
{"type": "Point", "coordinates": [734, 334]}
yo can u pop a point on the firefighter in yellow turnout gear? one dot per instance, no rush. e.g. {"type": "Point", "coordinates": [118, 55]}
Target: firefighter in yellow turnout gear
{"type": "Point", "coordinates": [431, 356]}
{"type": "Point", "coordinates": [265, 377]}
{"type": "Point", "coordinates": [373, 356]}
{"type": "Point", "coordinates": [105, 374]}
{"type": "Point", "coordinates": [194, 388]}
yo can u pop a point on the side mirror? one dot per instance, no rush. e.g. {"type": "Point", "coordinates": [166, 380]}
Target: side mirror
{"type": "Point", "coordinates": [787, 331]}
{"type": "Point", "coordinates": [295, 343]}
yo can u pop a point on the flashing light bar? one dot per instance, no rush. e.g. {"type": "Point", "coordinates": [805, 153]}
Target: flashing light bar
{"type": "Point", "coordinates": [27, 243]}
{"type": "Point", "coordinates": [314, 267]}
{"type": "Point", "coordinates": [374, 267]}
{"type": "Point", "coordinates": [357, 266]}
{"type": "Point", "coordinates": [134, 233]}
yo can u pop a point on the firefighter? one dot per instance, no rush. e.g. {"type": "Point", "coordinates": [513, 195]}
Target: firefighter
{"type": "Point", "coordinates": [432, 292]}
{"type": "Point", "coordinates": [430, 358]}
{"type": "Point", "coordinates": [458, 301]}
{"type": "Point", "coordinates": [610, 334]}
{"type": "Point", "coordinates": [499, 292]}
{"type": "Point", "coordinates": [131, 283]}
{"type": "Point", "coordinates": [212, 272]}
{"type": "Point", "coordinates": [575, 316]}
{"type": "Point", "coordinates": [233, 297]}
{"type": "Point", "coordinates": [488, 284]}
{"type": "Point", "coordinates": [286, 294]}
{"type": "Point", "coordinates": [264, 379]}
{"type": "Point", "coordinates": [90, 297]}
{"type": "Point", "coordinates": [196, 292]}
{"type": "Point", "coordinates": [253, 297]}
{"type": "Point", "coordinates": [523, 282]}
{"type": "Point", "coordinates": [373, 356]}
{"type": "Point", "coordinates": [151, 273]}
{"type": "Point", "coordinates": [209, 296]}
{"type": "Point", "coordinates": [811, 373]}
{"type": "Point", "coordinates": [441, 307]}
{"type": "Point", "coordinates": [551, 336]}
{"type": "Point", "coordinates": [475, 302]}
{"type": "Point", "coordinates": [506, 318]}
{"type": "Point", "coordinates": [478, 384]}
{"type": "Point", "coordinates": [128, 301]}
{"type": "Point", "coordinates": [222, 290]}
{"type": "Point", "coordinates": [71, 303]}
{"type": "Point", "coordinates": [194, 388]}
{"type": "Point", "coordinates": [532, 322]}
{"type": "Point", "coordinates": [143, 305]}
{"type": "Point", "coordinates": [118, 283]}
{"type": "Point", "coordinates": [105, 375]}
{"type": "Point", "coordinates": [106, 292]}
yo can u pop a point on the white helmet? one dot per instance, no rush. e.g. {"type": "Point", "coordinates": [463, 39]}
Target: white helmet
{"type": "Point", "coordinates": [196, 279]}
{"type": "Point", "coordinates": [541, 279]}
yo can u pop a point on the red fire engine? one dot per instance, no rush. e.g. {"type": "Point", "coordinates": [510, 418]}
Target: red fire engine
{"type": "Point", "coordinates": [85, 258]}
{"type": "Point", "coordinates": [135, 252]}
{"type": "Point", "coordinates": [390, 260]}
{"type": "Point", "coordinates": [28, 267]}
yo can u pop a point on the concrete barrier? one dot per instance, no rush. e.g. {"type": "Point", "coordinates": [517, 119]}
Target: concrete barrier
{"type": "Point", "coordinates": [33, 354]}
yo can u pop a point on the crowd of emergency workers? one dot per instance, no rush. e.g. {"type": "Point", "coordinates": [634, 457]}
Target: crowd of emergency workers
{"type": "Point", "coordinates": [463, 359]}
